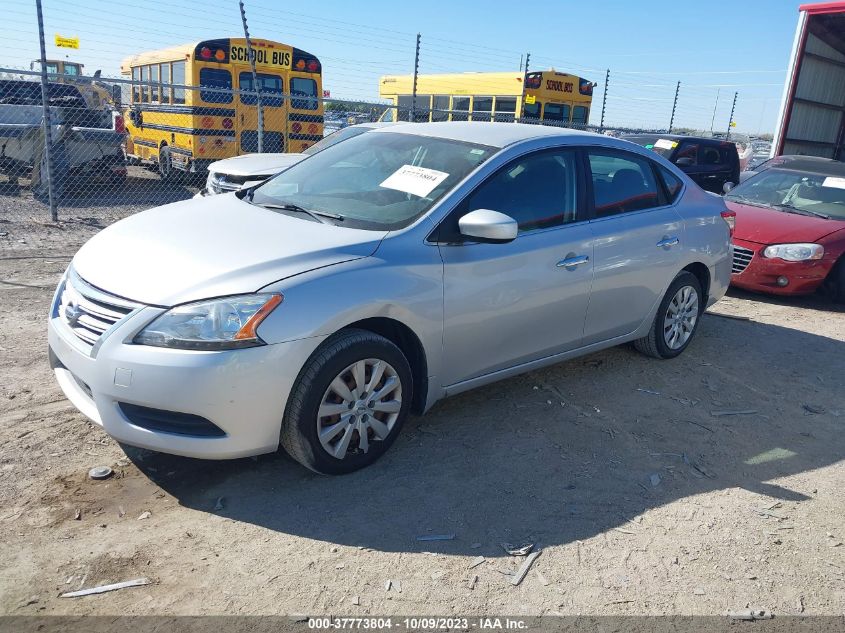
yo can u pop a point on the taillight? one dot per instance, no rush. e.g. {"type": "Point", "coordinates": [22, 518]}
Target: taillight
{"type": "Point", "coordinates": [119, 124]}
{"type": "Point", "coordinates": [205, 52]}
{"type": "Point", "coordinates": [313, 66]}
{"type": "Point", "coordinates": [730, 218]}
{"type": "Point", "coordinates": [312, 128]}
{"type": "Point", "coordinates": [296, 127]}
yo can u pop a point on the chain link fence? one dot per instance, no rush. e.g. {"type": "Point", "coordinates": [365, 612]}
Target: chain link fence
{"type": "Point", "coordinates": [117, 146]}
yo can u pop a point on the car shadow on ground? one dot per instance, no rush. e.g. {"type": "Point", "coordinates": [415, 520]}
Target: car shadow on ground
{"type": "Point", "coordinates": [816, 301]}
{"type": "Point", "coordinates": [561, 454]}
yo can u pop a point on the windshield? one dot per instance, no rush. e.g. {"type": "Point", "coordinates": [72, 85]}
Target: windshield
{"type": "Point", "coordinates": [336, 137]}
{"type": "Point", "coordinates": [379, 181]}
{"type": "Point", "coordinates": [813, 194]}
{"type": "Point", "coordinates": [662, 146]}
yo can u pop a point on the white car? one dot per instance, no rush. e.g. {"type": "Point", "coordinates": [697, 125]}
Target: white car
{"type": "Point", "coordinates": [239, 172]}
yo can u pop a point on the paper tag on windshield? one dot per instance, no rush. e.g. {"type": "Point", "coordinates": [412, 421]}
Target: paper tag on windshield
{"type": "Point", "coordinates": [830, 181]}
{"type": "Point", "coordinates": [418, 181]}
{"type": "Point", "coordinates": [664, 143]}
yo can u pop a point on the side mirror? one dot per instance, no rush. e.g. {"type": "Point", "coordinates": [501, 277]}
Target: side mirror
{"type": "Point", "coordinates": [684, 161]}
{"type": "Point", "coordinates": [727, 187]}
{"type": "Point", "coordinates": [485, 225]}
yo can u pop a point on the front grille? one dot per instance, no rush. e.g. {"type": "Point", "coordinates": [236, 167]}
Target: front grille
{"type": "Point", "coordinates": [742, 257]}
{"type": "Point", "coordinates": [170, 421]}
{"type": "Point", "coordinates": [88, 311]}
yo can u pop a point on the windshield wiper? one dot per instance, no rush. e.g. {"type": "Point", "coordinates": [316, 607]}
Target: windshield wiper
{"type": "Point", "coordinates": [790, 209]}
{"type": "Point", "coordinates": [749, 201]}
{"type": "Point", "coordinates": [319, 216]}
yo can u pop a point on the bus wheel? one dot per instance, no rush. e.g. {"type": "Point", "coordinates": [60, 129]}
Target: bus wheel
{"type": "Point", "coordinates": [165, 165]}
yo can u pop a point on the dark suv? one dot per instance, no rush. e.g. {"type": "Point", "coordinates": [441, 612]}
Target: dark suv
{"type": "Point", "coordinates": [711, 162]}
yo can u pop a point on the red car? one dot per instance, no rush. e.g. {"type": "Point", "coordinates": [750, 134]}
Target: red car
{"type": "Point", "coordinates": [789, 237]}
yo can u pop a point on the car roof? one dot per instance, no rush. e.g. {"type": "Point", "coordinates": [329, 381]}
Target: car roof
{"type": "Point", "coordinates": [484, 133]}
{"type": "Point", "coordinates": [812, 164]}
{"type": "Point", "coordinates": [676, 137]}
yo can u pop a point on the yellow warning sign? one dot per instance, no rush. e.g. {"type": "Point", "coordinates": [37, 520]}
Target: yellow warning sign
{"type": "Point", "coordinates": [67, 42]}
{"type": "Point", "coordinates": [529, 99]}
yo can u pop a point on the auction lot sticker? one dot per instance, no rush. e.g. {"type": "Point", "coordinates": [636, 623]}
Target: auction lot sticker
{"type": "Point", "coordinates": [665, 143]}
{"type": "Point", "coordinates": [831, 181]}
{"type": "Point", "coordinates": [419, 181]}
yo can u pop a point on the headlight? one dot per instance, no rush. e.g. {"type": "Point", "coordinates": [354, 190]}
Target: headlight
{"type": "Point", "coordinates": [211, 182]}
{"type": "Point", "coordinates": [794, 252]}
{"type": "Point", "coordinates": [227, 323]}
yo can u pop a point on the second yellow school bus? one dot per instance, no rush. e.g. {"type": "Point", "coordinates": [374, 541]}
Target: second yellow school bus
{"type": "Point", "coordinates": [186, 109]}
{"type": "Point", "coordinates": [501, 96]}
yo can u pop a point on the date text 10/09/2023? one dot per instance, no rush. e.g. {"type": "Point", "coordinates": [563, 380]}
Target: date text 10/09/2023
{"type": "Point", "coordinates": [424, 623]}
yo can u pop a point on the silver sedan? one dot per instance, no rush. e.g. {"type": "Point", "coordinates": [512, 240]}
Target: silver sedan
{"type": "Point", "coordinates": [374, 278]}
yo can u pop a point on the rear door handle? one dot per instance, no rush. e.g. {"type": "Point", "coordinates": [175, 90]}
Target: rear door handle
{"type": "Point", "coordinates": [668, 242]}
{"type": "Point", "coordinates": [572, 261]}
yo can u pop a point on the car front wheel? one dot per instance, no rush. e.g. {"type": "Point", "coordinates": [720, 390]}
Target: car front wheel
{"type": "Point", "coordinates": [676, 320]}
{"type": "Point", "coordinates": [348, 404]}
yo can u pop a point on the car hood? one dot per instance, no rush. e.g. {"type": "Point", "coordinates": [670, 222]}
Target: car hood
{"type": "Point", "coordinates": [212, 247]}
{"type": "Point", "coordinates": [255, 164]}
{"type": "Point", "coordinates": [764, 225]}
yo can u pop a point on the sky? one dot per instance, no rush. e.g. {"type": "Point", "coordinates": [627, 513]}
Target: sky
{"type": "Point", "coordinates": [714, 48]}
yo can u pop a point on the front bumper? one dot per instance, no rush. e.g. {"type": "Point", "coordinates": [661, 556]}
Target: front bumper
{"type": "Point", "coordinates": [762, 273]}
{"type": "Point", "coordinates": [242, 392]}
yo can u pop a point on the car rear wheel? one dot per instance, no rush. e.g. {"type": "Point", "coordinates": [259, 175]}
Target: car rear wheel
{"type": "Point", "coordinates": [676, 321]}
{"type": "Point", "coordinates": [348, 404]}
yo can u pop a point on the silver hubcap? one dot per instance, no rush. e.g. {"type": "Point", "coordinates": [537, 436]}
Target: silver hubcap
{"type": "Point", "coordinates": [360, 406]}
{"type": "Point", "coordinates": [681, 317]}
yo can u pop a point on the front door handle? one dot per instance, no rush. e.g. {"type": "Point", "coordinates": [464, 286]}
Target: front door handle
{"type": "Point", "coordinates": [668, 242]}
{"type": "Point", "coordinates": [572, 261]}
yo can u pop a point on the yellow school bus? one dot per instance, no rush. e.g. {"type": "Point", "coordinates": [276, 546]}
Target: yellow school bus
{"type": "Point", "coordinates": [502, 96]}
{"type": "Point", "coordinates": [197, 103]}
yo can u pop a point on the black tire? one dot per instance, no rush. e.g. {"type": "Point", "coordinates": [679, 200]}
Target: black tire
{"type": "Point", "coordinates": [837, 282]}
{"type": "Point", "coordinates": [654, 344]}
{"type": "Point", "coordinates": [299, 435]}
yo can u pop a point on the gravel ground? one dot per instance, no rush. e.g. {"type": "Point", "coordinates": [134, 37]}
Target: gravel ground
{"type": "Point", "coordinates": [642, 496]}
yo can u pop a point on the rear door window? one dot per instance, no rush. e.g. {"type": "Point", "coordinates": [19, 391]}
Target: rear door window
{"type": "Point", "coordinates": [579, 115]}
{"type": "Point", "coordinates": [271, 88]}
{"type": "Point", "coordinates": [672, 182]}
{"type": "Point", "coordinates": [622, 183]}
{"type": "Point", "coordinates": [687, 154]}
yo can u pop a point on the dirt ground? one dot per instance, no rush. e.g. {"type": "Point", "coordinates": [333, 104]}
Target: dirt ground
{"type": "Point", "coordinates": [641, 496]}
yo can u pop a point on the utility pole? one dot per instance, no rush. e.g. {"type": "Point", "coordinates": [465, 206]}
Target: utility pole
{"type": "Point", "coordinates": [714, 110]}
{"type": "Point", "coordinates": [674, 105]}
{"type": "Point", "coordinates": [413, 116]}
{"type": "Point", "coordinates": [731, 120]}
{"type": "Point", "coordinates": [255, 85]}
{"type": "Point", "coordinates": [524, 85]}
{"type": "Point", "coordinates": [45, 118]}
{"type": "Point", "coordinates": [604, 99]}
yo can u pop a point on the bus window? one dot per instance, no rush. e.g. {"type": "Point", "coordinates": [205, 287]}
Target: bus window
{"type": "Point", "coordinates": [136, 88]}
{"type": "Point", "coordinates": [482, 107]}
{"type": "Point", "coordinates": [505, 109]}
{"type": "Point", "coordinates": [145, 90]}
{"type": "Point", "coordinates": [422, 110]}
{"type": "Point", "coordinates": [165, 83]}
{"type": "Point", "coordinates": [532, 110]}
{"type": "Point", "coordinates": [215, 78]}
{"type": "Point", "coordinates": [72, 69]}
{"type": "Point", "coordinates": [579, 115]}
{"type": "Point", "coordinates": [461, 104]}
{"type": "Point", "coordinates": [403, 112]}
{"type": "Point", "coordinates": [267, 84]}
{"type": "Point", "coordinates": [439, 108]}
{"type": "Point", "coordinates": [178, 80]}
{"type": "Point", "coordinates": [303, 87]}
{"type": "Point", "coordinates": [556, 112]}
{"type": "Point", "coordinates": [52, 69]}
{"type": "Point", "coordinates": [154, 83]}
